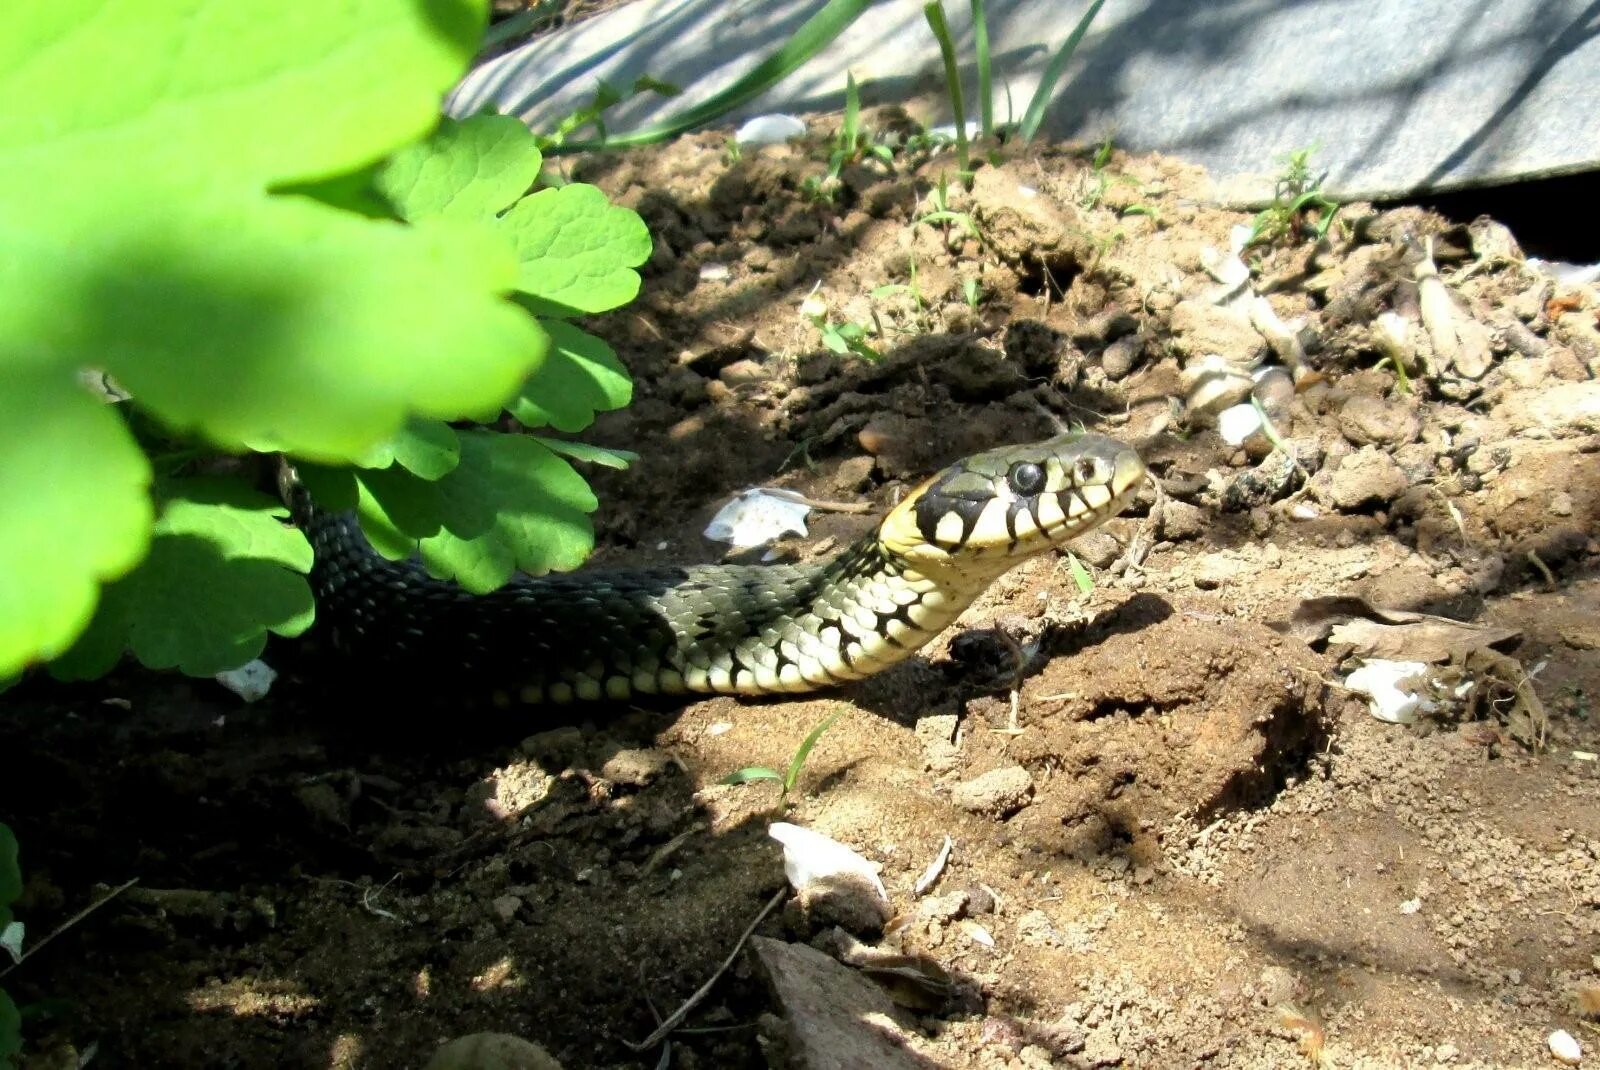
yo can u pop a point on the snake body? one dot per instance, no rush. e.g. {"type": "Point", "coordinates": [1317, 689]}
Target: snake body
{"type": "Point", "coordinates": [745, 629]}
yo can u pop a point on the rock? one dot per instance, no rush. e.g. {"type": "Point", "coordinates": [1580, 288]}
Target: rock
{"type": "Point", "coordinates": [833, 1016]}
{"type": "Point", "coordinates": [852, 475]}
{"type": "Point", "coordinates": [1097, 548]}
{"type": "Point", "coordinates": [937, 733]}
{"type": "Point", "coordinates": [1180, 520]}
{"type": "Point", "coordinates": [1101, 1049]}
{"type": "Point", "coordinates": [1121, 356]}
{"type": "Point", "coordinates": [1565, 407]}
{"type": "Point", "coordinates": [1212, 383]}
{"type": "Point", "coordinates": [1366, 477]}
{"type": "Point", "coordinates": [506, 906]}
{"type": "Point", "coordinates": [744, 373]}
{"type": "Point", "coordinates": [555, 748]}
{"type": "Point", "coordinates": [1215, 570]}
{"type": "Point", "coordinates": [997, 793]}
{"type": "Point", "coordinates": [1199, 327]}
{"type": "Point", "coordinates": [491, 1051]}
{"type": "Point", "coordinates": [636, 767]}
{"type": "Point", "coordinates": [1367, 420]}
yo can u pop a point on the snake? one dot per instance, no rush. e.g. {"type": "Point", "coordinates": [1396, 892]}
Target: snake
{"type": "Point", "coordinates": [744, 629]}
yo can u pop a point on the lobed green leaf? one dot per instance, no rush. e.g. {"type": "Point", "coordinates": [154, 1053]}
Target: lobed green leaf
{"type": "Point", "coordinates": [222, 572]}
{"type": "Point", "coordinates": [580, 376]}
{"type": "Point", "coordinates": [77, 510]}
{"type": "Point", "coordinates": [578, 250]}
{"type": "Point", "coordinates": [474, 169]}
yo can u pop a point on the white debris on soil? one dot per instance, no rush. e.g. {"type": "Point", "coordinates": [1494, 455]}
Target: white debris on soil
{"type": "Point", "coordinates": [758, 517]}
{"type": "Point", "coordinates": [250, 681]}
{"type": "Point", "coordinates": [1392, 688]}
{"type": "Point", "coordinates": [770, 130]}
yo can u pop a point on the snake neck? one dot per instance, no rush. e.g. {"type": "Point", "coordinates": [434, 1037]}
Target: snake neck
{"type": "Point", "coordinates": [599, 633]}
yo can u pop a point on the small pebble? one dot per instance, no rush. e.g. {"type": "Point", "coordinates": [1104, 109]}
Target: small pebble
{"type": "Point", "coordinates": [1564, 1046]}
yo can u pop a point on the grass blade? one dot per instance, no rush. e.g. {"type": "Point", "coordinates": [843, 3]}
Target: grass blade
{"type": "Point", "coordinates": [980, 47]}
{"type": "Point", "coordinates": [812, 37]}
{"type": "Point", "coordinates": [1080, 575]}
{"type": "Point", "coordinates": [750, 774]}
{"type": "Point", "coordinates": [1052, 74]}
{"type": "Point", "coordinates": [803, 752]}
{"type": "Point", "coordinates": [952, 77]}
{"type": "Point", "coordinates": [849, 133]}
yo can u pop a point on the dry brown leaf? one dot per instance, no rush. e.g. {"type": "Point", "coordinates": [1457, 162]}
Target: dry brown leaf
{"type": "Point", "coordinates": [1394, 634]}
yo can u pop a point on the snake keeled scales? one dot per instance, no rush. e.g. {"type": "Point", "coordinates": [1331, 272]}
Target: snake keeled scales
{"type": "Point", "coordinates": [747, 629]}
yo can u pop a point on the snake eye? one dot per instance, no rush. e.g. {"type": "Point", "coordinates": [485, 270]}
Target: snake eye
{"type": "Point", "coordinates": [1026, 478]}
{"type": "Point", "coordinates": [1087, 471]}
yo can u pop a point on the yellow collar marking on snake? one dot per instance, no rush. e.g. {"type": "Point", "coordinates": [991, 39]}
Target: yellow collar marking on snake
{"type": "Point", "coordinates": [744, 629]}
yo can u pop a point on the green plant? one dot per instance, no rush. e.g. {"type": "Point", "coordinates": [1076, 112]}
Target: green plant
{"type": "Point", "coordinates": [10, 892]}
{"type": "Point", "coordinates": [943, 216]}
{"type": "Point", "coordinates": [1038, 104]}
{"type": "Point", "coordinates": [972, 293]}
{"type": "Point", "coordinates": [853, 143]}
{"type": "Point", "coordinates": [841, 337]}
{"type": "Point", "coordinates": [1296, 194]}
{"type": "Point", "coordinates": [606, 97]}
{"type": "Point", "coordinates": [797, 762]}
{"type": "Point", "coordinates": [934, 13]}
{"type": "Point", "coordinates": [815, 34]}
{"type": "Point", "coordinates": [1045, 93]}
{"type": "Point", "coordinates": [1080, 575]}
{"type": "Point", "coordinates": [912, 290]}
{"type": "Point", "coordinates": [258, 279]}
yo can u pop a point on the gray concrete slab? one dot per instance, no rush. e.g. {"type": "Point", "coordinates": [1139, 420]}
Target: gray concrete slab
{"type": "Point", "coordinates": [1399, 96]}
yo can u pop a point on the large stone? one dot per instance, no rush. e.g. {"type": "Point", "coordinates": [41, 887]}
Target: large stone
{"type": "Point", "coordinates": [1429, 94]}
{"type": "Point", "coordinates": [835, 1018]}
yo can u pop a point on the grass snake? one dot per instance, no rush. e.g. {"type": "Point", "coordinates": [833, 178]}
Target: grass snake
{"type": "Point", "coordinates": [745, 629]}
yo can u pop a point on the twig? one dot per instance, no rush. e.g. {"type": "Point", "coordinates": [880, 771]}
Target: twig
{"type": "Point", "coordinates": [676, 1017]}
{"type": "Point", "coordinates": [70, 922]}
{"type": "Point", "coordinates": [1544, 569]}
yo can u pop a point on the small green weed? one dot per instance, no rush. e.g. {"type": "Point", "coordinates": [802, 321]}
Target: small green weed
{"type": "Point", "coordinates": [1080, 575]}
{"type": "Point", "coordinates": [944, 217]}
{"type": "Point", "coordinates": [1298, 204]}
{"type": "Point", "coordinates": [1037, 106]}
{"type": "Point", "coordinates": [606, 97]}
{"type": "Point", "coordinates": [797, 762]}
{"type": "Point", "coordinates": [840, 337]}
{"type": "Point", "coordinates": [972, 293]}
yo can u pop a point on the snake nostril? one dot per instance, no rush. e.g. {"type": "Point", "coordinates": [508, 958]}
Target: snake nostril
{"type": "Point", "coordinates": [1087, 470]}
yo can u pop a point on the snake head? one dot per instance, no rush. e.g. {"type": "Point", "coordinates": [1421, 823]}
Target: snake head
{"type": "Point", "coordinates": [988, 511]}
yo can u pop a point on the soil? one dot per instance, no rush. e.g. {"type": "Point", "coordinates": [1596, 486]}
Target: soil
{"type": "Point", "coordinates": [1197, 849]}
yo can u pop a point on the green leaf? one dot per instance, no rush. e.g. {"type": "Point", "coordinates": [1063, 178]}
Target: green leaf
{"type": "Point", "coordinates": [750, 773]}
{"type": "Point", "coordinates": [580, 376]}
{"type": "Point", "coordinates": [815, 34]}
{"type": "Point", "coordinates": [1080, 575]}
{"type": "Point", "coordinates": [583, 451]}
{"type": "Point", "coordinates": [1052, 74]}
{"type": "Point", "coordinates": [578, 250]}
{"type": "Point", "coordinates": [802, 752]}
{"type": "Point", "coordinates": [77, 511]}
{"type": "Point", "coordinates": [510, 504]}
{"type": "Point", "coordinates": [426, 447]}
{"type": "Point", "coordinates": [255, 319]}
{"type": "Point", "coordinates": [223, 571]}
{"type": "Point", "coordinates": [472, 170]}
